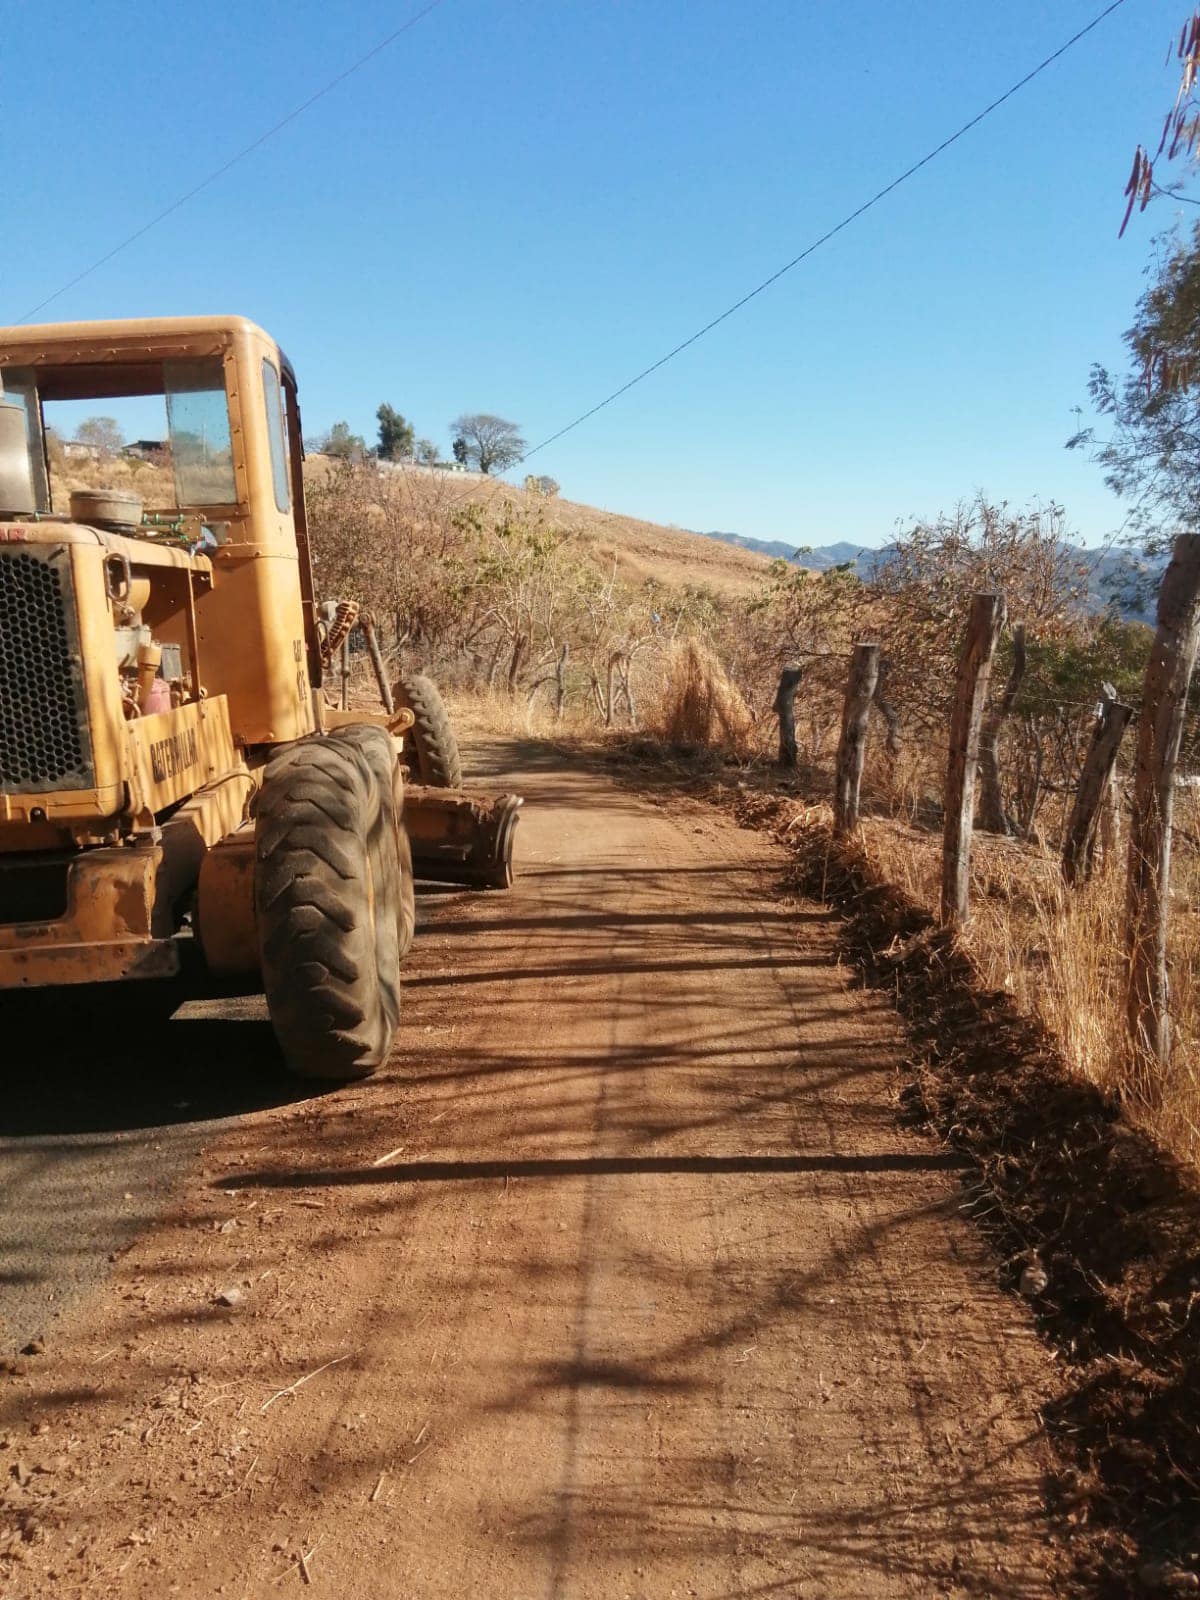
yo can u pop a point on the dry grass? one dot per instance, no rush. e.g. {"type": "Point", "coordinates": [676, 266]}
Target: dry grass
{"type": "Point", "coordinates": [698, 706]}
{"type": "Point", "coordinates": [155, 484]}
{"type": "Point", "coordinates": [639, 550]}
{"type": "Point", "coordinates": [495, 712]}
{"type": "Point", "coordinates": [1058, 953]}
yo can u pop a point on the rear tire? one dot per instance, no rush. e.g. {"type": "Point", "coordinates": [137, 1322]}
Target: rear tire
{"type": "Point", "coordinates": [431, 737]}
{"type": "Point", "coordinates": [331, 891]}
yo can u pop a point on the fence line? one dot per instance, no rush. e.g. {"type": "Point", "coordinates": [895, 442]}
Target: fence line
{"type": "Point", "coordinates": [1160, 734]}
{"type": "Point", "coordinates": [984, 623]}
{"type": "Point", "coordinates": [852, 746]}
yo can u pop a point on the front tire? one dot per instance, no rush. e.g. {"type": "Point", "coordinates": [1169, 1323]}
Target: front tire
{"type": "Point", "coordinates": [431, 737]}
{"type": "Point", "coordinates": [331, 892]}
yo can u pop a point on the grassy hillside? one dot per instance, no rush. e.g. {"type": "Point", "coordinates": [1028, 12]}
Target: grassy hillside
{"type": "Point", "coordinates": [641, 550]}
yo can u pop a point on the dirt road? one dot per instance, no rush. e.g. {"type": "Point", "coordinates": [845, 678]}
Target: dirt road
{"type": "Point", "coordinates": [621, 1281]}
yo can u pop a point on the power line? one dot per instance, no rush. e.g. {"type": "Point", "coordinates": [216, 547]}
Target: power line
{"type": "Point", "coordinates": [219, 172]}
{"type": "Point", "coordinates": [832, 232]}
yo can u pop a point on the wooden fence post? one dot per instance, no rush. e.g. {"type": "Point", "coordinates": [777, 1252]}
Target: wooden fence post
{"type": "Point", "coordinates": [852, 746]}
{"type": "Point", "coordinates": [1095, 783]}
{"type": "Point", "coordinates": [984, 623]}
{"type": "Point", "coordinates": [785, 709]}
{"type": "Point", "coordinates": [370, 633]}
{"type": "Point", "coordinates": [1160, 731]}
{"type": "Point", "coordinates": [991, 800]}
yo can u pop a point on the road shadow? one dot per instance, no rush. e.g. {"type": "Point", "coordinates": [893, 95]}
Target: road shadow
{"type": "Point", "coordinates": [115, 1059]}
{"type": "Point", "coordinates": [591, 1167]}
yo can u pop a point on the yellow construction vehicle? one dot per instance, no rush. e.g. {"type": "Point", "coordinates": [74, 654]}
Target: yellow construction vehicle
{"type": "Point", "coordinates": [173, 773]}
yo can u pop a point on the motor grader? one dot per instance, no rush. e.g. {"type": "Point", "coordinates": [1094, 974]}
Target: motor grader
{"type": "Point", "coordinates": [174, 775]}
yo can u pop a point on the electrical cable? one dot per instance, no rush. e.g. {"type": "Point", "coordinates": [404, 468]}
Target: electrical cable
{"type": "Point", "coordinates": [830, 234]}
{"type": "Point", "coordinates": [219, 172]}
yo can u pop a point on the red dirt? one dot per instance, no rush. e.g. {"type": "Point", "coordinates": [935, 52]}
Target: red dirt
{"type": "Point", "coordinates": [622, 1279]}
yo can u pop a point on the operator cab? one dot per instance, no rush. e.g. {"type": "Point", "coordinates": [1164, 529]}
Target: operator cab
{"type": "Point", "coordinates": [218, 399]}
{"type": "Point", "coordinates": [187, 403]}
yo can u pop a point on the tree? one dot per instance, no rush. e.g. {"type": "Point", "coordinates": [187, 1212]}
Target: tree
{"type": "Point", "coordinates": [395, 435]}
{"type": "Point", "coordinates": [1180, 132]}
{"type": "Point", "coordinates": [488, 441]}
{"type": "Point", "coordinates": [427, 453]}
{"type": "Point", "coordinates": [546, 487]}
{"type": "Point", "coordinates": [339, 442]}
{"type": "Point", "coordinates": [1152, 454]}
{"type": "Point", "coordinates": [459, 447]}
{"type": "Point", "coordinates": [102, 433]}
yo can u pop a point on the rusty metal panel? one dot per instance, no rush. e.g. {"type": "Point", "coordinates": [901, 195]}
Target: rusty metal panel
{"type": "Point", "coordinates": [225, 919]}
{"type": "Point", "coordinates": [100, 961]}
{"type": "Point", "coordinates": [461, 837]}
{"type": "Point", "coordinates": [174, 753]}
{"type": "Point", "coordinates": [105, 933]}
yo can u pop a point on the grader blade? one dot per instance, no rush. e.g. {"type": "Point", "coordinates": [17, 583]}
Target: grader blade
{"type": "Point", "coordinates": [459, 836]}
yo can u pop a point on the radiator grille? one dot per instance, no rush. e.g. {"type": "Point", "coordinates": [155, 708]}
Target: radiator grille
{"type": "Point", "coordinates": [43, 722]}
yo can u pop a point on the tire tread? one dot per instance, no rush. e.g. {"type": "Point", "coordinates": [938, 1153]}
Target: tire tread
{"type": "Point", "coordinates": [438, 762]}
{"type": "Point", "coordinates": [326, 841]}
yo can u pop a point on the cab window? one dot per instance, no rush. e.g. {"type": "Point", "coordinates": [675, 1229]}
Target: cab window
{"type": "Point", "coordinates": [279, 463]}
{"type": "Point", "coordinates": [198, 423]}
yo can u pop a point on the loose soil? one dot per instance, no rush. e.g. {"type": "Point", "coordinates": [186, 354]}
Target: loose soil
{"type": "Point", "coordinates": [624, 1278]}
{"type": "Point", "coordinates": [1105, 1222]}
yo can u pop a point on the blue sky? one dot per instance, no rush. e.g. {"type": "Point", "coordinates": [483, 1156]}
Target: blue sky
{"type": "Point", "coordinates": [517, 206]}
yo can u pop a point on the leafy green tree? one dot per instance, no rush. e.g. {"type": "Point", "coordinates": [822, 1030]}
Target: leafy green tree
{"type": "Point", "coordinates": [1067, 669]}
{"type": "Point", "coordinates": [340, 442]}
{"type": "Point", "coordinates": [489, 441]}
{"type": "Point", "coordinates": [459, 447]}
{"type": "Point", "coordinates": [395, 435]}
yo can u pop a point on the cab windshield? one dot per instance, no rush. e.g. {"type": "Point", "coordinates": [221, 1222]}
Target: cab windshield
{"type": "Point", "coordinates": [159, 428]}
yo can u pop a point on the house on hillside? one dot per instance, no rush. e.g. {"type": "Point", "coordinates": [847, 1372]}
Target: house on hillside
{"type": "Point", "coordinates": [76, 450]}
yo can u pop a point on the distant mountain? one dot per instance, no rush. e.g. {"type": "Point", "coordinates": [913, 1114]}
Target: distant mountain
{"type": "Point", "coordinates": [829, 555]}
{"type": "Point", "coordinates": [1114, 578]}
{"type": "Point", "coordinates": [775, 548]}
{"type": "Point", "coordinates": [1125, 581]}
{"type": "Point", "coordinates": [841, 554]}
